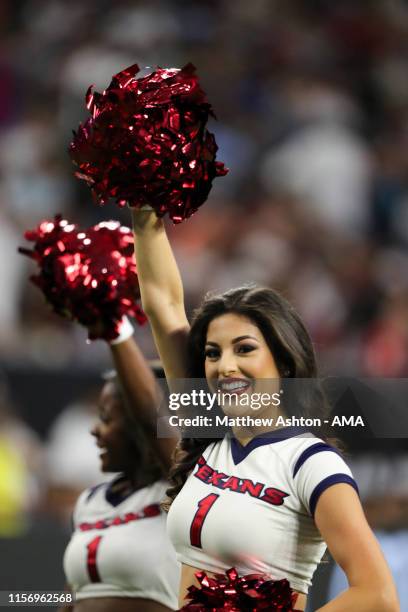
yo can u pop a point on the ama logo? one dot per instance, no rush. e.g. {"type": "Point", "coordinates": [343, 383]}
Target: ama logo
{"type": "Point", "coordinates": [348, 421]}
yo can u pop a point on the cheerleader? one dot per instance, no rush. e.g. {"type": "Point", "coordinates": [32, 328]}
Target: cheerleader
{"type": "Point", "coordinates": [119, 556]}
{"type": "Point", "coordinates": [267, 502]}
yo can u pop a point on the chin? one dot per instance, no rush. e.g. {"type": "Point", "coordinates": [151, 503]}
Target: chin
{"type": "Point", "coordinates": [239, 411]}
{"type": "Point", "coordinates": [103, 467]}
{"type": "Point", "coordinates": [106, 466]}
{"type": "Point", "coordinates": [235, 409]}
{"type": "Point", "coordinates": [112, 469]}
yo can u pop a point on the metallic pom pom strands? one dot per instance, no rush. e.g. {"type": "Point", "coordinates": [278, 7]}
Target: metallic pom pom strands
{"type": "Point", "coordinates": [146, 142]}
{"type": "Point", "coordinates": [252, 593]}
{"type": "Point", "coordinates": [87, 275]}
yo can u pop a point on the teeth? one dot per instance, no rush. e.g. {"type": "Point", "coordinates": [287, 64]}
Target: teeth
{"type": "Point", "coordinates": [233, 386]}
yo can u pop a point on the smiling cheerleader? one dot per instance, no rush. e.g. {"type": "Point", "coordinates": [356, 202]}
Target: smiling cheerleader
{"type": "Point", "coordinates": [300, 495]}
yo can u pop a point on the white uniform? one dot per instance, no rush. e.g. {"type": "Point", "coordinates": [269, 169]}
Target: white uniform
{"type": "Point", "coordinates": [119, 546]}
{"type": "Point", "coordinates": [252, 507]}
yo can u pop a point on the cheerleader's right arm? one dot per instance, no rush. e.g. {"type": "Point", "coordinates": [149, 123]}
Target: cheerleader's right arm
{"type": "Point", "coordinates": [161, 291]}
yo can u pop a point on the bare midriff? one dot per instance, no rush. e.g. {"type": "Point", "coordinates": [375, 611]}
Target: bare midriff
{"type": "Point", "coordinates": [188, 579]}
{"type": "Point", "coordinates": [113, 604]}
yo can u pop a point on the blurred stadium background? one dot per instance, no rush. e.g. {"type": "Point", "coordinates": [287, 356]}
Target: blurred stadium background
{"type": "Point", "coordinates": [312, 106]}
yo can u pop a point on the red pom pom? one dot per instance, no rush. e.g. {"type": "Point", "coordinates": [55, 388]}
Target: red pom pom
{"type": "Point", "coordinates": [146, 142]}
{"type": "Point", "coordinates": [87, 276]}
{"type": "Point", "coordinates": [251, 593]}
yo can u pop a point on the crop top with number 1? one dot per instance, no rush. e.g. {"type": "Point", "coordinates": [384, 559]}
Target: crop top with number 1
{"type": "Point", "coordinates": [252, 507]}
{"type": "Point", "coordinates": [119, 546]}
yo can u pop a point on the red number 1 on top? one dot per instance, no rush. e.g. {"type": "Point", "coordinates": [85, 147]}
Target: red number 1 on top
{"type": "Point", "coordinates": [204, 506]}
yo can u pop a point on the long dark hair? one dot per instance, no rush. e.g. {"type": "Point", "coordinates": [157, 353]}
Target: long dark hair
{"type": "Point", "coordinates": [289, 343]}
{"type": "Point", "coordinates": [144, 458]}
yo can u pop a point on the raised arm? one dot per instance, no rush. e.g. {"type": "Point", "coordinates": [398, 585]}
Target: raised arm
{"type": "Point", "coordinates": [142, 392]}
{"type": "Point", "coordinates": [161, 291]}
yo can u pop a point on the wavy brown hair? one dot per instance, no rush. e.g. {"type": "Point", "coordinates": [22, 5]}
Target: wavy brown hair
{"type": "Point", "coordinates": [290, 345]}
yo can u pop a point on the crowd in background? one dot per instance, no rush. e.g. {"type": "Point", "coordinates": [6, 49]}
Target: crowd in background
{"type": "Point", "coordinates": [312, 107]}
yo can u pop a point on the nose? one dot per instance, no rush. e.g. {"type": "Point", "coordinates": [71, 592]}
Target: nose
{"type": "Point", "coordinates": [227, 364]}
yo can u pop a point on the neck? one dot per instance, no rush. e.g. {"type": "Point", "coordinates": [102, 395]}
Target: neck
{"type": "Point", "coordinates": [246, 432]}
{"type": "Point", "coordinates": [133, 478]}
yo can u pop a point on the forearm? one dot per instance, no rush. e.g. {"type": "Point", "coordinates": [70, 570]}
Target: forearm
{"type": "Point", "coordinates": [159, 277]}
{"type": "Point", "coordinates": [161, 291]}
{"type": "Point", "coordinates": [343, 526]}
{"type": "Point", "coordinates": [363, 599]}
{"type": "Point", "coordinates": [142, 393]}
{"type": "Point", "coordinates": [138, 382]}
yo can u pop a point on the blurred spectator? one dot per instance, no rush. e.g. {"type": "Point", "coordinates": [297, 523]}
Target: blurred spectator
{"type": "Point", "coordinates": [323, 161]}
{"type": "Point", "coordinates": [33, 184]}
{"type": "Point", "coordinates": [312, 122]}
{"type": "Point", "coordinates": [71, 456]}
{"type": "Point", "coordinates": [20, 469]}
{"type": "Point", "coordinates": [385, 345]}
{"type": "Point", "coordinates": [12, 275]}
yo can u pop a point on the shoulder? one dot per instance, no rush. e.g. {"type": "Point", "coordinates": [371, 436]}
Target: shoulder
{"type": "Point", "coordinates": [311, 448]}
{"type": "Point", "coordinates": [295, 451]}
{"type": "Point", "coordinates": [315, 466]}
{"type": "Point", "coordinates": [89, 497]}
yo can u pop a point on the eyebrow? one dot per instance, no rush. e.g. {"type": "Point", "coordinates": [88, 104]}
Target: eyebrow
{"type": "Point", "coordinates": [235, 340]}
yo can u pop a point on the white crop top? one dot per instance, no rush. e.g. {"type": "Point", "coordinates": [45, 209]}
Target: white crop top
{"type": "Point", "coordinates": [119, 546]}
{"type": "Point", "coordinates": [252, 507]}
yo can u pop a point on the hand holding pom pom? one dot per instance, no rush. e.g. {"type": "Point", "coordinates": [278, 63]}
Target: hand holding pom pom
{"type": "Point", "coordinates": [233, 593]}
{"type": "Point", "coordinates": [87, 276]}
{"type": "Point", "coordinates": [146, 142]}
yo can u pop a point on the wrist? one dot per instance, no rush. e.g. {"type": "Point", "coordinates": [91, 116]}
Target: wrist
{"type": "Point", "coordinates": [125, 332]}
{"type": "Point", "coordinates": [145, 219]}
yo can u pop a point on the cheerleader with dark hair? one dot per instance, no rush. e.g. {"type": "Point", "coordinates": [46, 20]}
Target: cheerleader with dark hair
{"type": "Point", "coordinates": [119, 555]}
{"type": "Point", "coordinates": [264, 500]}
